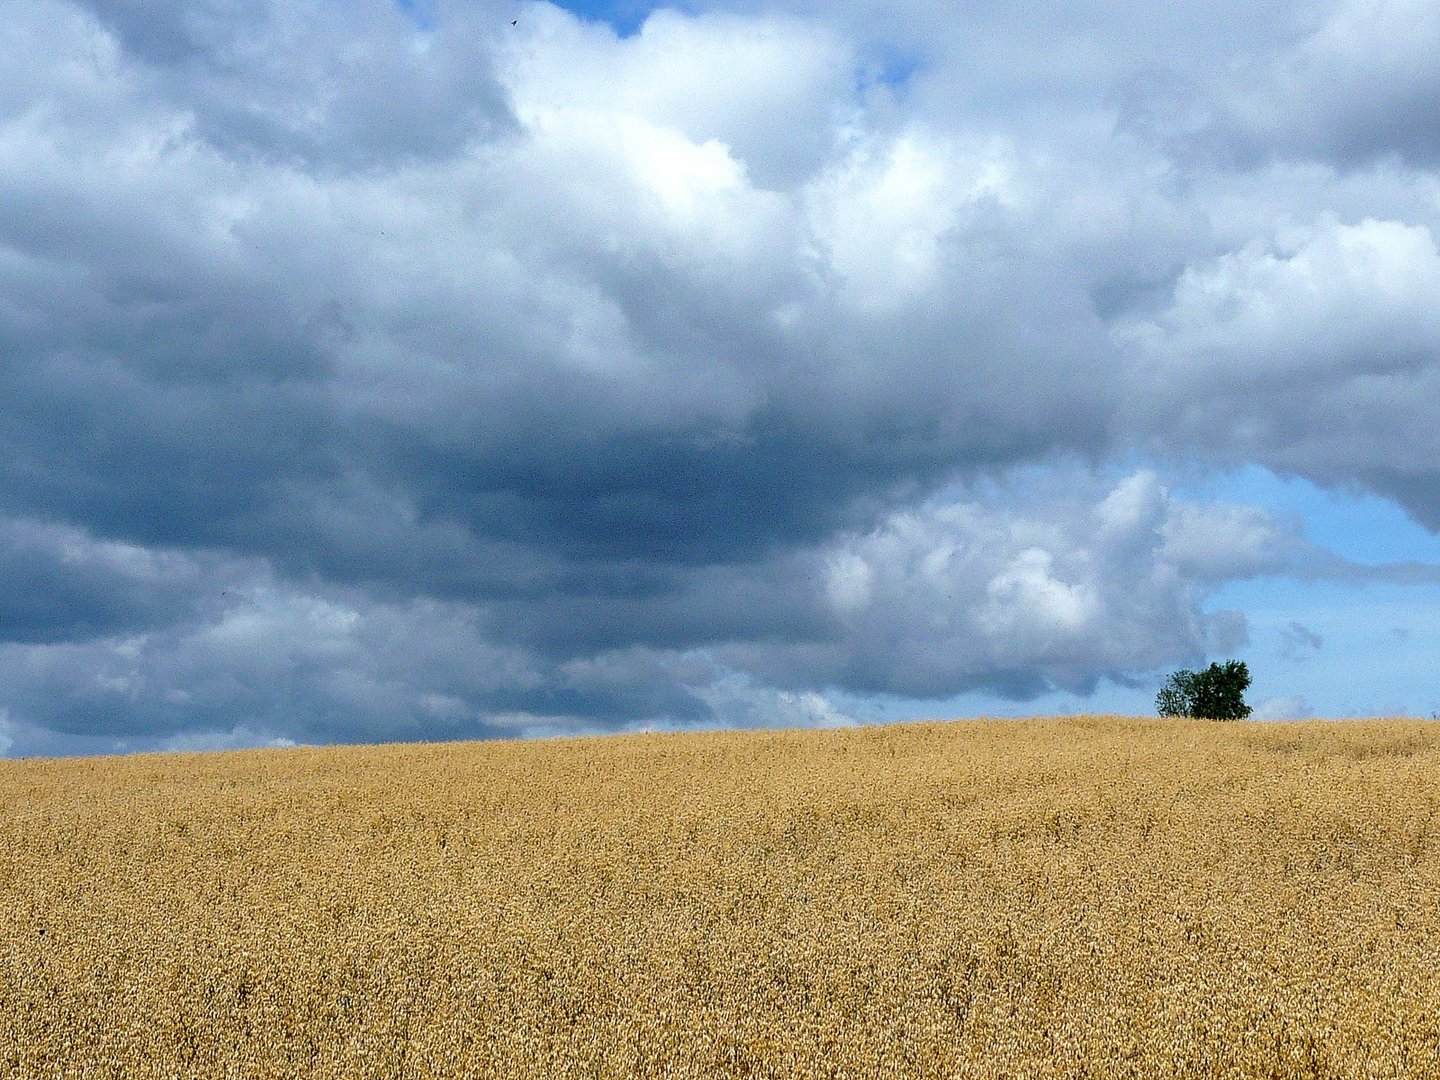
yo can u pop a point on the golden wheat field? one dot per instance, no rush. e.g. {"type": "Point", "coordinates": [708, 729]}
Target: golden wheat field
{"type": "Point", "coordinates": [1079, 897]}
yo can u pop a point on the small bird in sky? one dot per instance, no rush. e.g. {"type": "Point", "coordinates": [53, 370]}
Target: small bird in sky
{"type": "Point", "coordinates": [514, 21]}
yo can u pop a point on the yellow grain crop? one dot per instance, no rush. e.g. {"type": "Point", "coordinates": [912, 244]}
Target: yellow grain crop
{"type": "Point", "coordinates": [1082, 897]}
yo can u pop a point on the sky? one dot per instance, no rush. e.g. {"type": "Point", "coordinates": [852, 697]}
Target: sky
{"type": "Point", "coordinates": [376, 371]}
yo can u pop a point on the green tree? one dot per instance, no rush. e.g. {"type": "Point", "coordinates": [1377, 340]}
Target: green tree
{"type": "Point", "coordinates": [1217, 693]}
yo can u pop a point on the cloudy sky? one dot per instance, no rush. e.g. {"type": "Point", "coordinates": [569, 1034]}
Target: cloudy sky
{"type": "Point", "coordinates": [382, 370]}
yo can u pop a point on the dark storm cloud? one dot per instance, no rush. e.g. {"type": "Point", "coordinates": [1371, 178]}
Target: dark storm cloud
{"type": "Point", "coordinates": [1416, 485]}
{"type": "Point", "coordinates": [152, 462]}
{"type": "Point", "coordinates": [56, 584]}
{"type": "Point", "coordinates": [270, 659]}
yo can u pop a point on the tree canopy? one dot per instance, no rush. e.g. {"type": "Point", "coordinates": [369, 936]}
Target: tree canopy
{"type": "Point", "coordinates": [1217, 693]}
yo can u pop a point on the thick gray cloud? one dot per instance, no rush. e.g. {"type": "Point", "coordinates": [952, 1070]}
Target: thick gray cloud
{"type": "Point", "coordinates": [325, 86]}
{"type": "Point", "coordinates": [1020, 593]}
{"type": "Point", "coordinates": [1361, 86]}
{"type": "Point", "coordinates": [61, 585]}
{"type": "Point", "coordinates": [1315, 351]}
{"type": "Point", "coordinates": [376, 377]}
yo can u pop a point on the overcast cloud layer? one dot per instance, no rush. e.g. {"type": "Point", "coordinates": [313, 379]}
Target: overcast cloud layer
{"type": "Point", "coordinates": [383, 373]}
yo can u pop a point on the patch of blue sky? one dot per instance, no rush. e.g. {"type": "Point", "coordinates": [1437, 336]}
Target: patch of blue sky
{"type": "Point", "coordinates": [1376, 651]}
{"type": "Point", "coordinates": [1363, 528]}
{"type": "Point", "coordinates": [1377, 638]}
{"type": "Point", "coordinates": [888, 67]}
{"type": "Point", "coordinates": [421, 11]}
{"type": "Point", "coordinates": [624, 16]}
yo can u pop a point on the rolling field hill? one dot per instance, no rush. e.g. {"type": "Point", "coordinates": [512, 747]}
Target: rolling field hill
{"type": "Point", "coordinates": [1078, 897]}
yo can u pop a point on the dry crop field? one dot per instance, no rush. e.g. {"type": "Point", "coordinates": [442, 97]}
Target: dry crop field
{"type": "Point", "coordinates": [1082, 897]}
